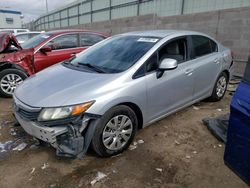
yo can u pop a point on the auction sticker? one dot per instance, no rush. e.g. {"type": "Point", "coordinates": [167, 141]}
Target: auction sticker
{"type": "Point", "coordinates": [153, 40]}
{"type": "Point", "coordinates": [45, 36]}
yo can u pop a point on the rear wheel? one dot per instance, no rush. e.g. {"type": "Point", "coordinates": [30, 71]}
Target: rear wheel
{"type": "Point", "coordinates": [115, 132]}
{"type": "Point", "coordinates": [9, 80]}
{"type": "Point", "coordinates": [220, 88]}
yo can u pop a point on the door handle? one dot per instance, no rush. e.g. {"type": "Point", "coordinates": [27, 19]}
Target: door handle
{"type": "Point", "coordinates": [217, 61]}
{"type": "Point", "coordinates": [189, 72]}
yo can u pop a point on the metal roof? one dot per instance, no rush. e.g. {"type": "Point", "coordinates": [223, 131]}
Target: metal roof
{"type": "Point", "coordinates": [161, 33]}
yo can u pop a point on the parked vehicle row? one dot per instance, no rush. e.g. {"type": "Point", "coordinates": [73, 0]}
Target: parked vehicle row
{"type": "Point", "coordinates": [17, 62]}
{"type": "Point", "coordinates": [23, 37]}
{"type": "Point", "coordinates": [102, 96]}
{"type": "Point", "coordinates": [15, 30]}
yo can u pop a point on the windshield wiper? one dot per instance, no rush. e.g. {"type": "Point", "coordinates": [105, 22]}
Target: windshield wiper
{"type": "Point", "coordinates": [93, 67]}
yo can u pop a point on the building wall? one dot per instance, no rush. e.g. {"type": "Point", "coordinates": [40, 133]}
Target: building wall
{"type": "Point", "coordinates": [230, 27]}
{"type": "Point", "coordinates": [87, 11]}
{"type": "Point", "coordinates": [10, 19]}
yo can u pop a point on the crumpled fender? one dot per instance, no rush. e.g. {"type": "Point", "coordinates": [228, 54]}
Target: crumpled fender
{"type": "Point", "coordinates": [23, 58]}
{"type": "Point", "coordinates": [76, 146]}
{"type": "Point", "coordinates": [88, 137]}
{"type": "Point", "coordinates": [6, 38]}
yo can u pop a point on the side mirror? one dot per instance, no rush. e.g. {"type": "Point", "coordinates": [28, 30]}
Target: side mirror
{"type": "Point", "coordinates": [46, 49]}
{"type": "Point", "coordinates": [166, 64]}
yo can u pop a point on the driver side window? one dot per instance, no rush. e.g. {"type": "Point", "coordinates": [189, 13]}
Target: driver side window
{"type": "Point", "coordinates": [64, 42]}
{"type": "Point", "coordinates": [176, 49]}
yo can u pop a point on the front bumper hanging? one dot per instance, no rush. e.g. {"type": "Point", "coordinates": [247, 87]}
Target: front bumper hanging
{"type": "Point", "coordinates": [70, 139]}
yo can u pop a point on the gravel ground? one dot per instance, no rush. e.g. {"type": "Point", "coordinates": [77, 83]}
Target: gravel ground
{"type": "Point", "coordinates": [177, 151]}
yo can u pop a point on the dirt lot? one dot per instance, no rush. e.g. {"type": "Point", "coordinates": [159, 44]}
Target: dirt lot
{"type": "Point", "coordinates": [180, 145]}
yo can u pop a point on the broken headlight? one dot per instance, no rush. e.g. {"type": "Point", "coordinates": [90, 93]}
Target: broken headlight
{"type": "Point", "coordinates": [48, 114]}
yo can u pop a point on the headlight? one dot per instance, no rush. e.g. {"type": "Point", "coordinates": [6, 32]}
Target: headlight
{"type": "Point", "coordinates": [63, 112]}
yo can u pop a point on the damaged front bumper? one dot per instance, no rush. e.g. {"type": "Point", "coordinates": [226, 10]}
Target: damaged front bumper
{"type": "Point", "coordinates": [70, 137]}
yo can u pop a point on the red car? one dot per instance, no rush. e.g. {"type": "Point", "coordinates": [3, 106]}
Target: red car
{"type": "Point", "coordinates": [18, 62]}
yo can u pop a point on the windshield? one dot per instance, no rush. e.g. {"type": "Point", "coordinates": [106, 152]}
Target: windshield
{"type": "Point", "coordinates": [33, 42]}
{"type": "Point", "coordinates": [116, 54]}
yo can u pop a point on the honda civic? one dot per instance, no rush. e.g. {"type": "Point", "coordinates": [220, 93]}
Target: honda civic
{"type": "Point", "coordinates": [101, 97]}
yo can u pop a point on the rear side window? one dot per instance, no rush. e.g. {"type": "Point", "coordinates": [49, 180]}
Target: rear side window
{"type": "Point", "coordinates": [89, 39]}
{"type": "Point", "coordinates": [203, 46]}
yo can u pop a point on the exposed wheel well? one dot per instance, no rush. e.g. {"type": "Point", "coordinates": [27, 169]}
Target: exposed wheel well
{"type": "Point", "coordinates": [137, 111]}
{"type": "Point", "coordinates": [8, 65]}
{"type": "Point", "coordinates": [227, 73]}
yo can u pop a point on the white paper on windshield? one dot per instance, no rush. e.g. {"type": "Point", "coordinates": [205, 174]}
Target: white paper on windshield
{"type": "Point", "coordinates": [153, 40]}
{"type": "Point", "coordinates": [45, 36]}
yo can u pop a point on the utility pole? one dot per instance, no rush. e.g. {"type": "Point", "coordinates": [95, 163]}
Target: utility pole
{"type": "Point", "coordinates": [47, 8]}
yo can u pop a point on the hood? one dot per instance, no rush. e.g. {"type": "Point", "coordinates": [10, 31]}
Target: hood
{"type": "Point", "coordinates": [61, 86]}
{"type": "Point", "coordinates": [6, 40]}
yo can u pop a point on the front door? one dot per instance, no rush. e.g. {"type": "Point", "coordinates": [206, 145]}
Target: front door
{"type": "Point", "coordinates": [175, 88]}
{"type": "Point", "coordinates": [63, 47]}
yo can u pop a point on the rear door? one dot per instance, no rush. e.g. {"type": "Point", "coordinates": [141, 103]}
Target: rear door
{"type": "Point", "coordinates": [63, 47]}
{"type": "Point", "coordinates": [175, 88]}
{"type": "Point", "coordinates": [89, 39]}
{"type": "Point", "coordinates": [206, 65]}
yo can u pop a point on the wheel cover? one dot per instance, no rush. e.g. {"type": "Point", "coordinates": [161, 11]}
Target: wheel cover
{"type": "Point", "coordinates": [221, 86]}
{"type": "Point", "coordinates": [9, 83]}
{"type": "Point", "coordinates": [117, 132]}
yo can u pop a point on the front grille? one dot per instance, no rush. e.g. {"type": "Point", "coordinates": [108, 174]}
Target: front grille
{"type": "Point", "coordinates": [27, 113]}
{"type": "Point", "coordinates": [32, 116]}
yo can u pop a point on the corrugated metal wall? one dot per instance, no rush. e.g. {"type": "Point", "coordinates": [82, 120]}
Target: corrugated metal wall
{"type": "Point", "coordinates": [88, 11]}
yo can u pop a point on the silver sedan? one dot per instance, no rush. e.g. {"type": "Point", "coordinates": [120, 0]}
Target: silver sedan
{"type": "Point", "coordinates": [104, 95]}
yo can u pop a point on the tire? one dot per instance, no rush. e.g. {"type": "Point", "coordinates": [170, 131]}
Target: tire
{"type": "Point", "coordinates": [220, 88]}
{"type": "Point", "coordinates": [9, 80]}
{"type": "Point", "coordinates": [104, 135]}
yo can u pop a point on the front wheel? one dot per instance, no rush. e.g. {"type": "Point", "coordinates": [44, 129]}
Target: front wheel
{"type": "Point", "coordinates": [115, 132]}
{"type": "Point", "coordinates": [9, 80]}
{"type": "Point", "coordinates": [220, 88]}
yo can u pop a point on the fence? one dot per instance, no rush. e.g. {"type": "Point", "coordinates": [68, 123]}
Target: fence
{"type": "Point", "coordinates": [89, 11]}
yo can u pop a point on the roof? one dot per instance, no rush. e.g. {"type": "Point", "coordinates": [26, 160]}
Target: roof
{"type": "Point", "coordinates": [10, 11]}
{"type": "Point", "coordinates": [160, 33]}
{"type": "Point", "coordinates": [29, 32]}
{"type": "Point", "coordinates": [56, 32]}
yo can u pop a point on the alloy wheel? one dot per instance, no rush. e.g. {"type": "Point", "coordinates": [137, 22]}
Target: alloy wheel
{"type": "Point", "coordinates": [117, 132]}
{"type": "Point", "coordinates": [9, 83]}
{"type": "Point", "coordinates": [221, 86]}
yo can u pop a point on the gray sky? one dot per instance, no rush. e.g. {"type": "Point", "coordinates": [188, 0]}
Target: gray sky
{"type": "Point", "coordinates": [31, 9]}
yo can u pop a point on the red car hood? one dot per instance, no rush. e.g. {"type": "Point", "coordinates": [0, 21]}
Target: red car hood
{"type": "Point", "coordinates": [6, 39]}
